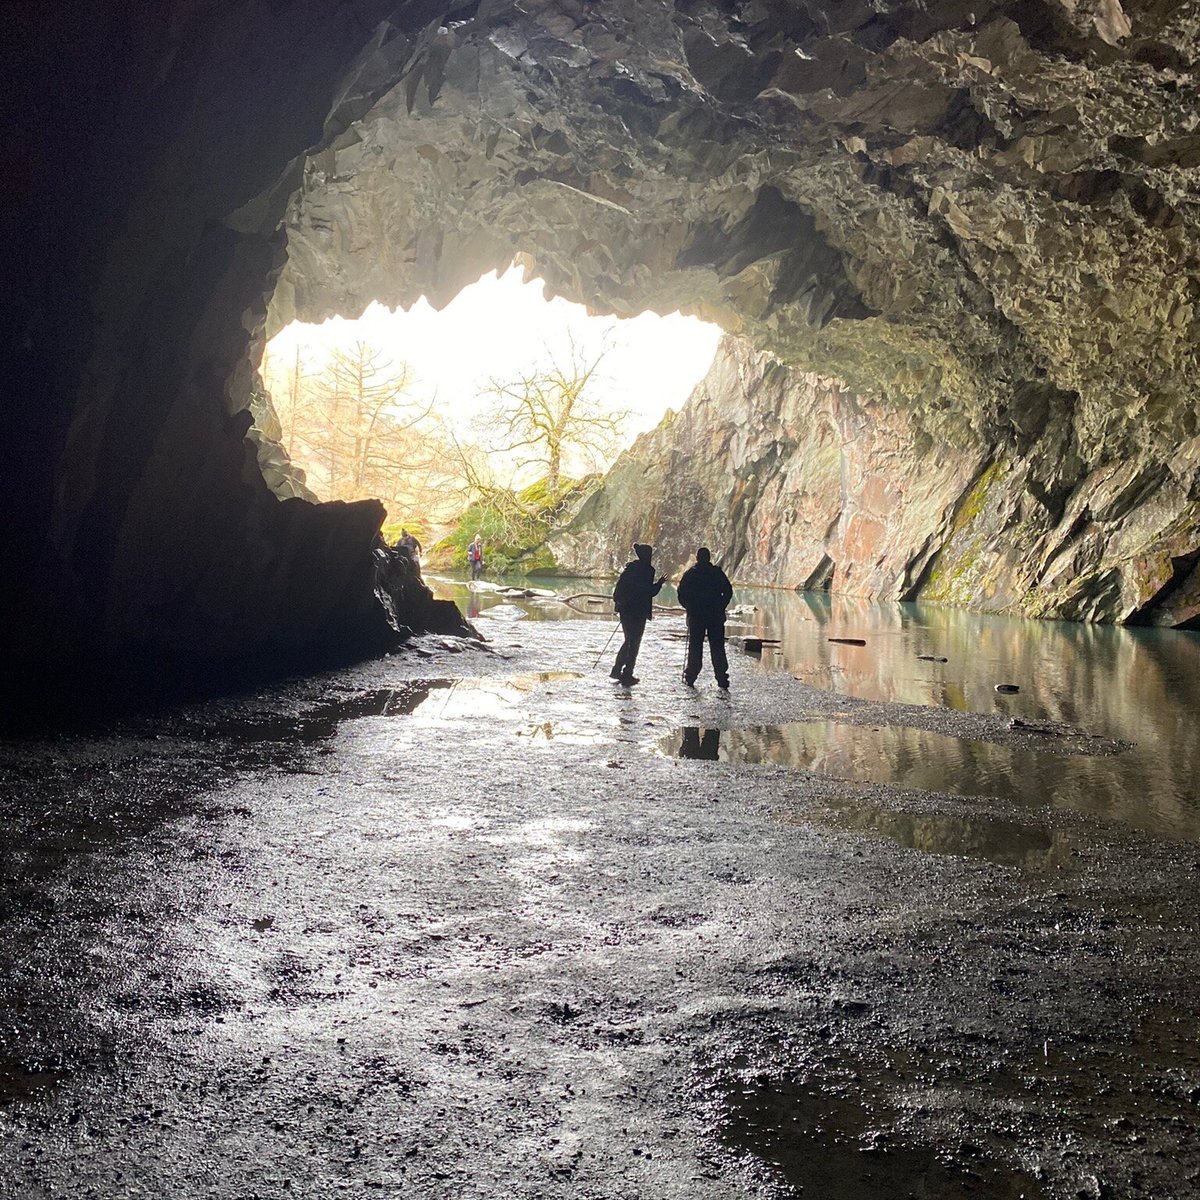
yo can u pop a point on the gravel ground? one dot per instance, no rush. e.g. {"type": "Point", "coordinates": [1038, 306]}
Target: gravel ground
{"type": "Point", "coordinates": [451, 924]}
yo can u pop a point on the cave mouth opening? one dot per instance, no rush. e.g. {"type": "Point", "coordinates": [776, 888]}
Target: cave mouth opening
{"type": "Point", "coordinates": [498, 412]}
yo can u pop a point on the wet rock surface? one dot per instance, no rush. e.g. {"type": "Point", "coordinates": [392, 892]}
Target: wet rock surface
{"type": "Point", "coordinates": [451, 926]}
{"type": "Point", "coordinates": [800, 483]}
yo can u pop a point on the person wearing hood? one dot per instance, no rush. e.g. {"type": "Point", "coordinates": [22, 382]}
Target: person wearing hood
{"type": "Point", "coordinates": [704, 592]}
{"type": "Point", "coordinates": [633, 599]}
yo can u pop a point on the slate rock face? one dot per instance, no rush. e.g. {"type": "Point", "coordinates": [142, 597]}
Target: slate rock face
{"type": "Point", "coordinates": [795, 482]}
{"type": "Point", "coordinates": [981, 216]}
{"type": "Point", "coordinates": [791, 480]}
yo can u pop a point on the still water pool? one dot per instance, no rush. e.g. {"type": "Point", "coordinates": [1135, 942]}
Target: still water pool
{"type": "Point", "coordinates": [1140, 686]}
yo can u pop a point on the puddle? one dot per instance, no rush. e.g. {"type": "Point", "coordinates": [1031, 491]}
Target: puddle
{"type": "Point", "coordinates": [695, 742]}
{"type": "Point", "coordinates": [19, 1083]}
{"type": "Point", "coordinates": [827, 1145]}
{"type": "Point", "coordinates": [543, 733]}
{"type": "Point", "coordinates": [437, 698]}
{"type": "Point", "coordinates": [320, 721]}
{"type": "Point", "coordinates": [893, 754]}
{"type": "Point", "coordinates": [1033, 848]}
{"type": "Point", "coordinates": [498, 698]}
{"type": "Point", "coordinates": [1109, 785]}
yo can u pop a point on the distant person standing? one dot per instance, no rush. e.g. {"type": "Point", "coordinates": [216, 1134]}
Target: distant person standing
{"type": "Point", "coordinates": [409, 544]}
{"type": "Point", "coordinates": [633, 598]}
{"type": "Point", "coordinates": [475, 557]}
{"type": "Point", "coordinates": [705, 592]}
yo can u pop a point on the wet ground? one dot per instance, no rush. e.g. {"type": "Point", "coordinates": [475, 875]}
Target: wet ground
{"type": "Point", "coordinates": [473, 922]}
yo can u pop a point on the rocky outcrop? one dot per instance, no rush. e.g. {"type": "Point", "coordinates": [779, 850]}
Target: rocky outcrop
{"type": "Point", "coordinates": [796, 482]}
{"type": "Point", "coordinates": [791, 479]}
{"type": "Point", "coordinates": [408, 603]}
{"type": "Point", "coordinates": [983, 216]}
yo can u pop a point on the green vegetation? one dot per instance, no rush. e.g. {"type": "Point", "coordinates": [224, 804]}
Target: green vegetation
{"type": "Point", "coordinates": [391, 531]}
{"type": "Point", "coordinates": [514, 527]}
{"type": "Point", "coordinates": [955, 575]}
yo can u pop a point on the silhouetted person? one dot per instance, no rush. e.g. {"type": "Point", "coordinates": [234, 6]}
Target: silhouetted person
{"type": "Point", "coordinates": [705, 592]}
{"type": "Point", "coordinates": [633, 598]}
{"type": "Point", "coordinates": [409, 544]}
{"type": "Point", "coordinates": [475, 557]}
{"type": "Point", "coordinates": [695, 746]}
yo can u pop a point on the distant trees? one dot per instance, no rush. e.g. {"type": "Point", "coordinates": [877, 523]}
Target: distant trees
{"type": "Point", "coordinates": [355, 427]}
{"type": "Point", "coordinates": [550, 411]}
{"type": "Point", "coordinates": [358, 432]}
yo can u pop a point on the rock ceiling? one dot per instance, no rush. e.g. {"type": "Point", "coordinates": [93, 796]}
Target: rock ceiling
{"type": "Point", "coordinates": [983, 208]}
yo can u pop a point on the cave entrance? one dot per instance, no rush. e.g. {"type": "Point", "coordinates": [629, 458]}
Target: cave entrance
{"type": "Point", "coordinates": [497, 414]}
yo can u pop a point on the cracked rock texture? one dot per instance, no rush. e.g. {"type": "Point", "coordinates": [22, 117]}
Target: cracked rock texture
{"type": "Point", "coordinates": [982, 216]}
{"type": "Point", "coordinates": [791, 479]}
{"type": "Point", "coordinates": [795, 481]}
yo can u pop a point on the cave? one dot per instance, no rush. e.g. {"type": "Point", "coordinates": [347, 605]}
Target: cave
{"type": "Point", "coordinates": [896, 899]}
{"type": "Point", "coordinates": [953, 253]}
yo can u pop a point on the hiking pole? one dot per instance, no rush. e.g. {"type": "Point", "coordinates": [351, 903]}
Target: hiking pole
{"type": "Point", "coordinates": [606, 645]}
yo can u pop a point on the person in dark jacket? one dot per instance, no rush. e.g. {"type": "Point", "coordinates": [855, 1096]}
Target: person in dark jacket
{"type": "Point", "coordinates": [705, 592]}
{"type": "Point", "coordinates": [633, 598]}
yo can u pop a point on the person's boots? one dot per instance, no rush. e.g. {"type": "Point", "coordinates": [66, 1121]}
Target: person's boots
{"type": "Point", "coordinates": [629, 680]}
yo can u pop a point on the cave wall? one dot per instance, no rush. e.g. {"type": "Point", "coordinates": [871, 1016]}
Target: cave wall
{"type": "Point", "coordinates": [794, 481]}
{"type": "Point", "coordinates": [982, 215]}
{"type": "Point", "coordinates": [791, 479]}
{"type": "Point", "coordinates": [142, 536]}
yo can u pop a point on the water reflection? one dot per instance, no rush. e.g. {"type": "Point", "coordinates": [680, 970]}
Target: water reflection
{"type": "Point", "coordinates": [1140, 686]}
{"type": "Point", "coordinates": [697, 743]}
{"type": "Point", "coordinates": [923, 760]}
{"type": "Point", "coordinates": [503, 599]}
{"type": "Point", "coordinates": [315, 723]}
{"type": "Point", "coordinates": [424, 700]}
{"type": "Point", "coordinates": [829, 1145]}
{"type": "Point", "coordinates": [1034, 848]}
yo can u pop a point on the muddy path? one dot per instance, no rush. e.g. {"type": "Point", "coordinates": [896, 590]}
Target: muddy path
{"type": "Point", "coordinates": [464, 923]}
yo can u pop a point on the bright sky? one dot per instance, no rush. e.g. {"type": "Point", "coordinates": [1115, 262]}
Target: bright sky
{"type": "Point", "coordinates": [501, 326]}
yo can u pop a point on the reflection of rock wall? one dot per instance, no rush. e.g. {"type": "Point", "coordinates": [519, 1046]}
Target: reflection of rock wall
{"type": "Point", "coordinates": [796, 482]}
{"type": "Point", "coordinates": [1130, 684]}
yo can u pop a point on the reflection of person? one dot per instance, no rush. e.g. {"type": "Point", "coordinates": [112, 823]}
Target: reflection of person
{"type": "Point", "coordinates": [695, 746]}
{"type": "Point", "coordinates": [633, 598]}
{"type": "Point", "coordinates": [705, 592]}
{"type": "Point", "coordinates": [475, 557]}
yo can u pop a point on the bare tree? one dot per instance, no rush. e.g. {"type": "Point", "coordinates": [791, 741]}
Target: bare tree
{"type": "Point", "coordinates": [359, 432]}
{"type": "Point", "coordinates": [548, 412]}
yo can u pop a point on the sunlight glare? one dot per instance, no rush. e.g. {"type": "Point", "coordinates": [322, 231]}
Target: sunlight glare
{"type": "Point", "coordinates": [503, 325]}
